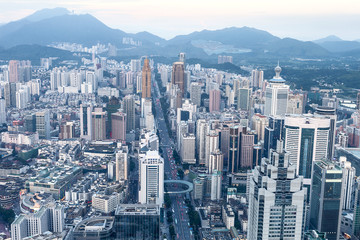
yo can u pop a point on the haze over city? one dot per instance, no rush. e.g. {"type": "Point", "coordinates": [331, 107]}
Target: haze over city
{"type": "Point", "coordinates": [174, 120]}
{"type": "Point", "coordinates": [304, 20]}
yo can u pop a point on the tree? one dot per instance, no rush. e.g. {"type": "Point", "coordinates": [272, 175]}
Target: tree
{"type": "Point", "coordinates": [7, 215]}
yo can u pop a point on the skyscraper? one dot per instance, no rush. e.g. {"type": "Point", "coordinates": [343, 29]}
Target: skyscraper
{"type": "Point", "coordinates": [307, 139]}
{"type": "Point", "coordinates": [13, 71]}
{"type": "Point", "coordinates": [86, 121]}
{"type": "Point", "coordinates": [276, 95]}
{"type": "Point", "coordinates": [178, 77]}
{"type": "Point", "coordinates": [10, 94]}
{"type": "Point", "coordinates": [151, 179]}
{"type": "Point", "coordinates": [118, 126]}
{"type": "Point", "coordinates": [246, 147]}
{"type": "Point", "coordinates": [98, 122]}
{"type": "Point", "coordinates": [326, 198]}
{"type": "Point", "coordinates": [182, 57]}
{"type": "Point", "coordinates": [214, 100]}
{"type": "Point", "coordinates": [276, 199]}
{"type": "Point", "coordinates": [233, 157]}
{"type": "Point", "coordinates": [273, 132]}
{"type": "Point", "coordinates": [187, 150]}
{"type": "Point", "coordinates": [331, 114]}
{"type": "Point", "coordinates": [121, 165]}
{"type": "Point", "coordinates": [215, 185]}
{"type": "Point", "coordinates": [201, 131]}
{"type": "Point", "coordinates": [137, 221]}
{"type": "Point", "coordinates": [43, 124]}
{"type": "Point", "coordinates": [195, 93]}
{"type": "Point", "coordinates": [67, 130]}
{"type": "Point", "coordinates": [349, 182]}
{"type": "Point", "coordinates": [211, 144]}
{"type": "Point", "coordinates": [216, 161]}
{"type": "Point", "coordinates": [129, 109]}
{"type": "Point", "coordinates": [356, 216]}
{"type": "Point", "coordinates": [2, 111]}
{"type": "Point", "coordinates": [146, 80]}
{"type": "Point", "coordinates": [244, 99]}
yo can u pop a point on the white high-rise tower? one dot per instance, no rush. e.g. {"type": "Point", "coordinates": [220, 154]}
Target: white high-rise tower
{"type": "Point", "coordinates": [151, 179]}
{"type": "Point", "coordinates": [276, 199]}
{"type": "Point", "coordinates": [306, 140]}
{"type": "Point", "coordinates": [276, 95]}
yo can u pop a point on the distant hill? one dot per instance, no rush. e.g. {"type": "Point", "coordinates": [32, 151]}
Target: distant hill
{"type": "Point", "coordinates": [330, 38]}
{"type": "Point", "coordinates": [49, 26]}
{"type": "Point", "coordinates": [335, 44]}
{"type": "Point", "coordinates": [293, 47]}
{"type": "Point", "coordinates": [244, 37]}
{"type": "Point", "coordinates": [46, 13]}
{"type": "Point", "coordinates": [146, 36]}
{"type": "Point", "coordinates": [34, 53]}
{"type": "Point", "coordinates": [84, 29]}
{"type": "Point", "coordinates": [340, 46]}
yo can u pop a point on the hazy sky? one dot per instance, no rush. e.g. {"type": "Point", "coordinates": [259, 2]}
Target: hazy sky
{"type": "Point", "coordinates": [301, 19]}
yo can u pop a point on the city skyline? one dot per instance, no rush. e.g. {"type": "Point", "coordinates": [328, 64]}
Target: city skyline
{"type": "Point", "coordinates": [303, 20]}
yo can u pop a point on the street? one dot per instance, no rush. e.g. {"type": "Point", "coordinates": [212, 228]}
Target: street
{"type": "Point", "coordinates": [181, 219]}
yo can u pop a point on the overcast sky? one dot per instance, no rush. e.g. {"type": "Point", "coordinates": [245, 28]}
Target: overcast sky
{"type": "Point", "coordinates": [301, 19]}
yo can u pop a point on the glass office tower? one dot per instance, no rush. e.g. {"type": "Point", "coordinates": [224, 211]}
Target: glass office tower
{"type": "Point", "coordinates": [326, 198]}
{"type": "Point", "coordinates": [137, 221]}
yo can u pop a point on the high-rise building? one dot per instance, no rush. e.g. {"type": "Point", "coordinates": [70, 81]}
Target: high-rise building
{"type": "Point", "coordinates": [259, 123]}
{"type": "Point", "coordinates": [182, 57]}
{"type": "Point", "coordinates": [244, 99]}
{"type": "Point", "coordinates": [349, 183]}
{"type": "Point", "coordinates": [121, 164]}
{"type": "Point", "coordinates": [135, 65]}
{"type": "Point", "coordinates": [356, 214]}
{"type": "Point", "coordinates": [233, 157]}
{"type": "Point", "coordinates": [326, 198]}
{"type": "Point", "coordinates": [187, 149]}
{"type": "Point", "coordinates": [201, 132]}
{"type": "Point", "coordinates": [30, 123]}
{"type": "Point", "coordinates": [10, 94]}
{"type": "Point", "coordinates": [199, 188]}
{"type": "Point", "coordinates": [215, 185]}
{"type": "Point", "coordinates": [13, 71]}
{"type": "Point", "coordinates": [214, 100]}
{"type": "Point", "coordinates": [277, 199]}
{"type": "Point", "coordinates": [276, 95]}
{"type": "Point", "coordinates": [146, 80]}
{"type": "Point", "coordinates": [331, 114]}
{"type": "Point", "coordinates": [246, 147]}
{"type": "Point", "coordinates": [2, 111]}
{"type": "Point", "coordinates": [43, 124]}
{"type": "Point", "coordinates": [67, 130]}
{"type": "Point", "coordinates": [273, 132]}
{"type": "Point", "coordinates": [118, 126]}
{"type": "Point", "coordinates": [195, 93]}
{"type": "Point", "coordinates": [129, 109]}
{"type": "Point", "coordinates": [47, 218]}
{"type": "Point", "coordinates": [151, 179]}
{"type": "Point", "coordinates": [98, 123]}
{"type": "Point", "coordinates": [295, 103]}
{"type": "Point", "coordinates": [137, 221]}
{"type": "Point", "coordinates": [216, 161]}
{"type": "Point", "coordinates": [211, 145]}
{"type": "Point", "coordinates": [86, 121]}
{"type": "Point", "coordinates": [178, 76]}
{"type": "Point", "coordinates": [22, 97]}
{"type": "Point", "coordinates": [257, 78]}
{"type": "Point", "coordinates": [306, 141]}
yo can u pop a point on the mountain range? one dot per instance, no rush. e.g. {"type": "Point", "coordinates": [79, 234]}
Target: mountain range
{"type": "Point", "coordinates": [49, 26]}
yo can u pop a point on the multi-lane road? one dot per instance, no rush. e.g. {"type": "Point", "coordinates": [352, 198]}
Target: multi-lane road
{"type": "Point", "coordinates": [180, 216]}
